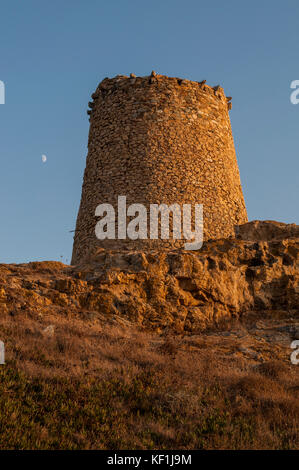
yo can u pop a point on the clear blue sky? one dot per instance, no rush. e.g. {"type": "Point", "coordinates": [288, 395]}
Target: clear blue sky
{"type": "Point", "coordinates": [53, 54]}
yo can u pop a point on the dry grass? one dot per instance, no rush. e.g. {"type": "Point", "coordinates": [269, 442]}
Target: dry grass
{"type": "Point", "coordinates": [95, 385]}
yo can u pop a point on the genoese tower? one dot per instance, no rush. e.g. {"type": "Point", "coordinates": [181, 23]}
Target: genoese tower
{"type": "Point", "coordinates": [159, 140]}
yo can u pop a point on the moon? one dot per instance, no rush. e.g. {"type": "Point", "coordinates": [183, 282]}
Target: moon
{"type": "Point", "coordinates": [44, 158]}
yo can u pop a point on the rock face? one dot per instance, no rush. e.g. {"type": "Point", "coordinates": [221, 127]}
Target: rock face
{"type": "Point", "coordinates": [193, 290]}
{"type": "Point", "coordinates": [187, 291]}
{"type": "Point", "coordinates": [159, 140]}
{"type": "Point", "coordinates": [267, 230]}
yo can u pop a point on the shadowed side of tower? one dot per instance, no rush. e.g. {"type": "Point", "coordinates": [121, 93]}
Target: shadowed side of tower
{"type": "Point", "coordinates": [159, 140]}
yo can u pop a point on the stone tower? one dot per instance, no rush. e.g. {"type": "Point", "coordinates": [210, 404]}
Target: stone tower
{"type": "Point", "coordinates": [155, 140]}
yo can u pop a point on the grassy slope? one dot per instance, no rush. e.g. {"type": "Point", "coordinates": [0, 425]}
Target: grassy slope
{"type": "Point", "coordinates": [94, 385]}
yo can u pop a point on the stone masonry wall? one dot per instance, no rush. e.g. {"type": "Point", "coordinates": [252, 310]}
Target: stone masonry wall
{"type": "Point", "coordinates": [157, 140]}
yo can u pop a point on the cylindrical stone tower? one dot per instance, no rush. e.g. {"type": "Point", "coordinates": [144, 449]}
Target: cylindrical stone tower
{"type": "Point", "coordinates": [159, 140]}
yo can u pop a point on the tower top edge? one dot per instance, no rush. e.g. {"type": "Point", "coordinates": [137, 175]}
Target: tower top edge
{"type": "Point", "coordinates": [124, 81]}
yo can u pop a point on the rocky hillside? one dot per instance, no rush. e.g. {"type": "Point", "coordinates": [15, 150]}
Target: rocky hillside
{"type": "Point", "coordinates": [254, 273]}
{"type": "Point", "coordinates": [134, 350]}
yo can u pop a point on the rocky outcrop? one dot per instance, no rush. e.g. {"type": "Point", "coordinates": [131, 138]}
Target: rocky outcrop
{"type": "Point", "coordinates": [187, 291]}
{"type": "Point", "coordinates": [194, 290]}
{"type": "Point", "coordinates": [267, 230]}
